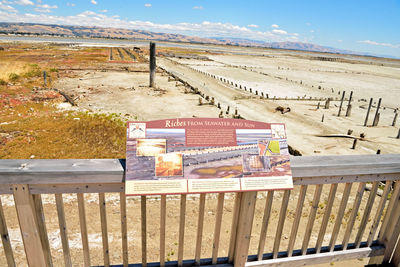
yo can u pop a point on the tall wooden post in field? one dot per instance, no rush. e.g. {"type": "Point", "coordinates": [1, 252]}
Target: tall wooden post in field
{"type": "Point", "coordinates": [152, 63]}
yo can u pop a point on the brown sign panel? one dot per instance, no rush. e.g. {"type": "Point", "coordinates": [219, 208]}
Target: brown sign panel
{"type": "Point", "coordinates": [204, 155]}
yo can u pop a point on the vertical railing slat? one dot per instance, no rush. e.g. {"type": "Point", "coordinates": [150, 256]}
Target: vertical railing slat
{"type": "Point", "coordinates": [163, 217]}
{"type": "Point", "coordinates": [234, 226]}
{"type": "Point", "coordinates": [104, 233]}
{"type": "Point", "coordinates": [5, 238]}
{"type": "Point", "coordinates": [339, 218]}
{"type": "Point", "coordinates": [84, 232]}
{"type": "Point", "coordinates": [282, 217]}
{"type": "Point", "coordinates": [217, 229]}
{"type": "Point", "coordinates": [124, 229]}
{"type": "Point", "coordinates": [367, 211]}
{"type": "Point", "coordinates": [311, 218]}
{"type": "Point", "coordinates": [28, 225]}
{"type": "Point", "coordinates": [379, 212]}
{"type": "Point", "coordinates": [389, 210]}
{"type": "Point", "coordinates": [353, 215]}
{"type": "Point", "coordinates": [244, 227]}
{"type": "Point", "coordinates": [200, 224]}
{"type": "Point", "coordinates": [182, 217]}
{"type": "Point", "coordinates": [144, 229]}
{"type": "Point", "coordinates": [265, 222]}
{"type": "Point", "coordinates": [325, 220]}
{"type": "Point", "coordinates": [295, 226]}
{"type": "Point", "coordinates": [63, 229]}
{"type": "Point", "coordinates": [37, 200]}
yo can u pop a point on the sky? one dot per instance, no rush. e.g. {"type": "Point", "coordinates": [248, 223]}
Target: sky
{"type": "Point", "coordinates": [364, 26]}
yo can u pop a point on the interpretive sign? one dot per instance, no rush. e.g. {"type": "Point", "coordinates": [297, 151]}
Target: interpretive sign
{"type": "Point", "coordinates": [203, 155]}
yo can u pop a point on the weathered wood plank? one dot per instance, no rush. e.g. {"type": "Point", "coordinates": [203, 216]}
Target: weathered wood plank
{"type": "Point", "coordinates": [77, 188]}
{"type": "Point", "coordinates": [112, 170]}
{"type": "Point", "coordinates": [143, 229]}
{"type": "Point", "coordinates": [281, 222]}
{"type": "Point", "coordinates": [320, 258]}
{"type": "Point", "coordinates": [60, 171]}
{"type": "Point", "coordinates": [182, 217]}
{"type": "Point", "coordinates": [217, 229]}
{"type": "Point", "coordinates": [124, 229]}
{"type": "Point", "coordinates": [353, 215]}
{"type": "Point", "coordinates": [6, 239]}
{"type": "Point", "coordinates": [379, 212]}
{"type": "Point", "coordinates": [63, 230]}
{"type": "Point", "coordinates": [345, 179]}
{"type": "Point", "coordinates": [234, 226]}
{"type": "Point", "coordinates": [28, 226]}
{"type": "Point", "coordinates": [37, 202]}
{"type": "Point", "coordinates": [265, 222]}
{"type": "Point", "coordinates": [84, 232]}
{"type": "Point", "coordinates": [325, 220]}
{"type": "Point", "coordinates": [295, 225]}
{"type": "Point", "coordinates": [163, 217]}
{"type": "Point", "coordinates": [200, 223]}
{"type": "Point", "coordinates": [392, 203]}
{"type": "Point", "coordinates": [104, 232]}
{"type": "Point", "coordinates": [311, 218]}
{"type": "Point", "coordinates": [339, 218]}
{"type": "Point", "coordinates": [367, 212]}
{"type": "Point", "coordinates": [245, 224]}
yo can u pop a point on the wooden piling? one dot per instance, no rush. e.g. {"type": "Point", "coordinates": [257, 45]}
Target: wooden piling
{"type": "Point", "coordinates": [398, 134]}
{"type": "Point", "coordinates": [152, 63]}
{"type": "Point", "coordinates": [327, 103]}
{"type": "Point", "coordinates": [341, 103]}
{"type": "Point", "coordinates": [322, 119]}
{"type": "Point", "coordinates": [354, 144]}
{"type": "Point", "coordinates": [394, 119]}
{"type": "Point", "coordinates": [376, 118]}
{"type": "Point", "coordinates": [348, 112]}
{"type": "Point", "coordinates": [369, 108]}
{"type": "Point", "coordinates": [318, 106]}
{"type": "Point", "coordinates": [44, 79]}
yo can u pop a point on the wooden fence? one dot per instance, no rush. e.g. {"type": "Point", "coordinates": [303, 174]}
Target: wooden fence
{"type": "Point", "coordinates": [375, 237]}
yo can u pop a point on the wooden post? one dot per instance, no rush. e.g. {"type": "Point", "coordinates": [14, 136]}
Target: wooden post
{"type": "Point", "coordinates": [341, 103]}
{"type": "Point", "coordinates": [29, 226]}
{"type": "Point", "coordinates": [376, 118]}
{"type": "Point", "coordinates": [44, 79]}
{"type": "Point", "coordinates": [322, 120]}
{"type": "Point", "coordinates": [348, 112]}
{"type": "Point", "coordinates": [354, 144]}
{"type": "Point", "coordinates": [152, 63]}
{"type": "Point", "coordinates": [394, 119]}
{"type": "Point", "coordinates": [398, 134]}
{"type": "Point", "coordinates": [369, 108]}
{"type": "Point", "coordinates": [327, 102]}
{"type": "Point", "coordinates": [245, 223]}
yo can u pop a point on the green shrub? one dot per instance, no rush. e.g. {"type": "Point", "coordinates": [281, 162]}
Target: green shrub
{"type": "Point", "coordinates": [34, 71]}
{"type": "Point", "coordinates": [13, 77]}
{"type": "Point", "coordinates": [2, 82]}
{"type": "Point", "coordinates": [53, 70]}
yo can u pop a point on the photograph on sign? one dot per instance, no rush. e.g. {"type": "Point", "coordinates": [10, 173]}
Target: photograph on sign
{"type": "Point", "coordinates": [200, 155]}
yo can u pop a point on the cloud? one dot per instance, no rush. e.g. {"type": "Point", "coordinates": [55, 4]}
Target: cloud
{"type": "Point", "coordinates": [275, 26]}
{"type": "Point", "coordinates": [340, 41]}
{"type": "Point", "coordinates": [7, 8]}
{"type": "Point", "coordinates": [311, 31]}
{"type": "Point", "coordinates": [93, 2]}
{"type": "Point", "coordinates": [380, 44]}
{"type": "Point", "coordinates": [71, 4]}
{"type": "Point", "coordinates": [308, 23]}
{"type": "Point", "coordinates": [280, 31]}
{"type": "Point", "coordinates": [203, 29]}
{"type": "Point", "coordinates": [47, 6]}
{"type": "Point", "coordinates": [24, 3]}
{"type": "Point", "coordinates": [103, 11]}
{"type": "Point", "coordinates": [253, 26]}
{"type": "Point", "coordinates": [147, 5]}
{"type": "Point", "coordinates": [42, 10]}
{"type": "Point", "coordinates": [197, 7]}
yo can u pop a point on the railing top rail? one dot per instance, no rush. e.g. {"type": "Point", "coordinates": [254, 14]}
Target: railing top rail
{"type": "Point", "coordinates": [66, 171]}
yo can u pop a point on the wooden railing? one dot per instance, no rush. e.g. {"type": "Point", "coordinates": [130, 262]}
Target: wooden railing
{"type": "Point", "coordinates": [354, 213]}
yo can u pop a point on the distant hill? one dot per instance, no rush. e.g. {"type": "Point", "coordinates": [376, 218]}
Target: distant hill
{"type": "Point", "coordinates": [99, 32]}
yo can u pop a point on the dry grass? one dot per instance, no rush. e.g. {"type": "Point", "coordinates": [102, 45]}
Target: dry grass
{"type": "Point", "coordinates": [30, 125]}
